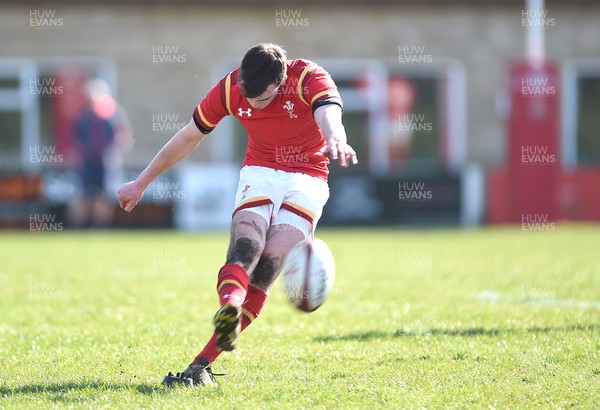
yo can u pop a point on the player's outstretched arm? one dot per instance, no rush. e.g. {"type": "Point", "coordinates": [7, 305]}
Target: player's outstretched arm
{"type": "Point", "coordinates": [329, 119]}
{"type": "Point", "coordinates": [180, 146]}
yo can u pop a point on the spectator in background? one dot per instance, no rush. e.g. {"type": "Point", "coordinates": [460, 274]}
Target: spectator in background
{"type": "Point", "coordinates": [98, 130]}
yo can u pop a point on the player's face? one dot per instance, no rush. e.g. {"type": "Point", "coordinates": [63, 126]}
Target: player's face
{"type": "Point", "coordinates": [265, 98]}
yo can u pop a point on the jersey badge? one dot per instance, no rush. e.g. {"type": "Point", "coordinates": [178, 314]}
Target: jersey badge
{"type": "Point", "coordinates": [289, 106]}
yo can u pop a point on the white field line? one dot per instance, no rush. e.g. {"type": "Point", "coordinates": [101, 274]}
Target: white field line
{"type": "Point", "coordinates": [495, 297]}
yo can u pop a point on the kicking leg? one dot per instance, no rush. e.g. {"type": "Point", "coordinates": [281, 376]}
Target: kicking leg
{"type": "Point", "coordinates": [248, 234]}
{"type": "Point", "coordinates": [280, 239]}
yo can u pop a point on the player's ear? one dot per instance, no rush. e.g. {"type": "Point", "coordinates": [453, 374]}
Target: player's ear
{"type": "Point", "coordinates": [282, 80]}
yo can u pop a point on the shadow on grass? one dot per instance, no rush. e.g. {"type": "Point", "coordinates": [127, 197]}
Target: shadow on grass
{"type": "Point", "coordinates": [461, 332]}
{"type": "Point", "coordinates": [69, 386]}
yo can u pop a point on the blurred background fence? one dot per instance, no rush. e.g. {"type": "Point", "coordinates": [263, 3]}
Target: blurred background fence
{"type": "Point", "coordinates": [453, 121]}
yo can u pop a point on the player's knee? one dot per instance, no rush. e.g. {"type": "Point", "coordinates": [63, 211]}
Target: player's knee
{"type": "Point", "coordinates": [265, 273]}
{"type": "Point", "coordinates": [244, 251]}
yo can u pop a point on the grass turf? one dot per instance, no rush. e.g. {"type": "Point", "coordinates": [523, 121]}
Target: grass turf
{"type": "Point", "coordinates": [440, 318]}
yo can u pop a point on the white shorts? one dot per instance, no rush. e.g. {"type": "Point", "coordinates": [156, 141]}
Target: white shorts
{"type": "Point", "coordinates": [282, 197]}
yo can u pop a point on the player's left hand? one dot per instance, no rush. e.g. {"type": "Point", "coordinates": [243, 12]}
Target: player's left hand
{"type": "Point", "coordinates": [340, 151]}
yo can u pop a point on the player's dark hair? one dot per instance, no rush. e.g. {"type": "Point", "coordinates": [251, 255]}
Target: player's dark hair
{"type": "Point", "coordinates": [263, 64]}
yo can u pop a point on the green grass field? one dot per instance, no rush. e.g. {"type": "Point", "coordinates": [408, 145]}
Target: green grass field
{"type": "Point", "coordinates": [439, 318]}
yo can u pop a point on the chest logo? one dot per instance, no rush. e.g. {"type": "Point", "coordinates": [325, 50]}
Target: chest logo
{"type": "Point", "coordinates": [247, 112]}
{"type": "Point", "coordinates": [289, 106]}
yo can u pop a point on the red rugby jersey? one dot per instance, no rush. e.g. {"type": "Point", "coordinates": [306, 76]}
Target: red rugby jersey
{"type": "Point", "coordinates": [284, 135]}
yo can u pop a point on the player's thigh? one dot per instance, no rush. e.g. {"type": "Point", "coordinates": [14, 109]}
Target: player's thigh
{"type": "Point", "coordinates": [248, 236]}
{"type": "Point", "coordinates": [280, 239]}
{"type": "Point", "coordinates": [250, 223]}
{"type": "Point", "coordinates": [254, 207]}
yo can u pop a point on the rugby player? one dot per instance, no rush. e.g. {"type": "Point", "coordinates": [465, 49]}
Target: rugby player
{"type": "Point", "coordinates": [292, 112]}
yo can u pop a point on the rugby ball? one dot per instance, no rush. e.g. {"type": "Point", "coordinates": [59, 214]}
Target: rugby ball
{"type": "Point", "coordinates": [308, 274]}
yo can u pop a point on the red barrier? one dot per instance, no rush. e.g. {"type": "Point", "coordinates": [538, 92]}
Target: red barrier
{"type": "Point", "coordinates": [533, 141]}
{"type": "Point", "coordinates": [577, 199]}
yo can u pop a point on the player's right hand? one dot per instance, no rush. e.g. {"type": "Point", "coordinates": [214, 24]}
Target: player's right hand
{"type": "Point", "coordinates": [130, 194]}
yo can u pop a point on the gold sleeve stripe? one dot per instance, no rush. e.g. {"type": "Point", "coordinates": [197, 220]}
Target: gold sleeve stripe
{"type": "Point", "coordinates": [210, 124]}
{"type": "Point", "coordinates": [248, 314]}
{"type": "Point", "coordinates": [228, 93]}
{"type": "Point", "coordinates": [299, 90]}
{"type": "Point", "coordinates": [230, 282]}
{"type": "Point", "coordinates": [322, 93]}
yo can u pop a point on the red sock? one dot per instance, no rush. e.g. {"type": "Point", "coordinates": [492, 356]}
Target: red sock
{"type": "Point", "coordinates": [253, 305]}
{"type": "Point", "coordinates": [232, 285]}
{"type": "Point", "coordinates": [210, 351]}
